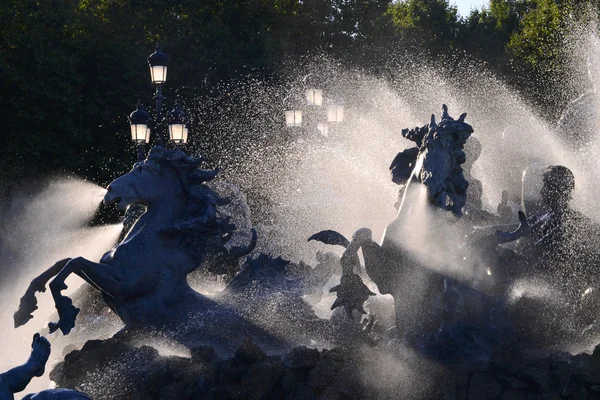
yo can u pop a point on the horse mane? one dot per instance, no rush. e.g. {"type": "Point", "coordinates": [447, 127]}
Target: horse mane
{"type": "Point", "coordinates": [456, 132]}
{"type": "Point", "coordinates": [205, 227]}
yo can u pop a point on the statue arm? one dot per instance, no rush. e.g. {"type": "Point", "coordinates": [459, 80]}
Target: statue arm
{"type": "Point", "coordinates": [500, 237]}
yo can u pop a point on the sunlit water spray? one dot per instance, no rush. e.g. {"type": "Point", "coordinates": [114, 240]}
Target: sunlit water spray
{"type": "Point", "coordinates": [341, 182]}
{"type": "Point", "coordinates": [36, 231]}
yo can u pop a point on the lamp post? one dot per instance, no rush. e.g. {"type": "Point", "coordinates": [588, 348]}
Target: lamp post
{"type": "Point", "coordinates": [178, 126]}
{"type": "Point", "coordinates": [140, 120]}
{"type": "Point", "coordinates": [158, 62]}
{"type": "Point", "coordinates": [140, 129]}
{"type": "Point", "coordinates": [335, 114]}
{"type": "Point", "coordinates": [312, 115]}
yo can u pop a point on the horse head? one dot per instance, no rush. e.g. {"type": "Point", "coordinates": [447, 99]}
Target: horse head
{"type": "Point", "coordinates": [172, 184]}
{"type": "Point", "coordinates": [164, 174]}
{"type": "Point", "coordinates": [437, 159]}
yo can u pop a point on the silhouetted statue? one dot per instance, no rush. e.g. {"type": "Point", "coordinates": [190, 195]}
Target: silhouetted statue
{"type": "Point", "coordinates": [351, 292]}
{"type": "Point", "coordinates": [555, 246]}
{"type": "Point", "coordinates": [143, 278]}
{"type": "Point", "coordinates": [17, 379]}
{"type": "Point", "coordinates": [424, 299]}
{"type": "Point", "coordinates": [557, 239]}
{"type": "Point", "coordinates": [436, 161]}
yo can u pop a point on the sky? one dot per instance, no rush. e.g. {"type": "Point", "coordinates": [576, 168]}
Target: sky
{"type": "Point", "coordinates": [465, 6]}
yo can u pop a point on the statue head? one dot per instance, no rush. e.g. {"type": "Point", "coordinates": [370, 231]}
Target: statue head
{"type": "Point", "coordinates": [558, 183]}
{"type": "Point", "coordinates": [164, 174]}
{"type": "Point", "coordinates": [473, 151]}
{"type": "Point", "coordinates": [171, 181]}
{"type": "Point", "coordinates": [440, 159]}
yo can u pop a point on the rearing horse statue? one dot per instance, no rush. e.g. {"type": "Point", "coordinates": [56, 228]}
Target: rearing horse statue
{"type": "Point", "coordinates": [435, 165]}
{"type": "Point", "coordinates": [143, 278]}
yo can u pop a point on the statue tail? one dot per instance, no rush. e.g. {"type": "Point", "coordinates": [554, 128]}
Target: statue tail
{"type": "Point", "coordinates": [330, 237]}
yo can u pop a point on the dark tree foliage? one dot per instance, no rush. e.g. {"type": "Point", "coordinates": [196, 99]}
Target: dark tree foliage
{"type": "Point", "coordinates": [71, 71]}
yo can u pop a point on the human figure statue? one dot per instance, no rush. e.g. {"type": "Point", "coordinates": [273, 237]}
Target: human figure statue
{"type": "Point", "coordinates": [558, 239]}
{"type": "Point", "coordinates": [16, 380]}
{"type": "Point", "coordinates": [558, 245]}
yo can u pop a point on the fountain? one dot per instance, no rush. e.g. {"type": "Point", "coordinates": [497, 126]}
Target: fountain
{"type": "Point", "coordinates": [182, 223]}
{"type": "Point", "coordinates": [457, 304]}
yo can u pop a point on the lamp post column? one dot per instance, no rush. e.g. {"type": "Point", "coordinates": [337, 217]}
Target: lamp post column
{"type": "Point", "coordinates": [158, 62]}
{"type": "Point", "coordinates": [159, 118]}
{"type": "Point", "coordinates": [177, 124]}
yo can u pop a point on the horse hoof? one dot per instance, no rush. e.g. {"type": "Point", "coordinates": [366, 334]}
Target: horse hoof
{"type": "Point", "coordinates": [21, 317]}
{"type": "Point", "coordinates": [66, 322]}
{"type": "Point", "coordinates": [57, 286]}
{"type": "Point", "coordinates": [64, 326]}
{"type": "Point", "coordinates": [52, 327]}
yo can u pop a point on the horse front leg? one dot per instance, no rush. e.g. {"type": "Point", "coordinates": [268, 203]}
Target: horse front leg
{"type": "Point", "coordinates": [103, 277]}
{"type": "Point", "coordinates": [28, 303]}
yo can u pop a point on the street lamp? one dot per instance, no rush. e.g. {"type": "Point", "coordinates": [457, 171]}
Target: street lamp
{"type": "Point", "coordinates": [310, 115]}
{"type": "Point", "coordinates": [140, 119]}
{"type": "Point", "coordinates": [178, 129]}
{"type": "Point", "coordinates": [293, 111]}
{"type": "Point", "coordinates": [335, 114]}
{"type": "Point", "coordinates": [312, 89]}
{"type": "Point", "coordinates": [293, 118]}
{"type": "Point", "coordinates": [314, 97]}
{"type": "Point", "coordinates": [140, 129]}
{"type": "Point", "coordinates": [158, 62]}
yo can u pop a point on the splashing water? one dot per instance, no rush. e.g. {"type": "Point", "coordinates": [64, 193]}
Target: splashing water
{"type": "Point", "coordinates": [312, 183]}
{"type": "Point", "coordinates": [36, 231]}
{"type": "Point", "coordinates": [342, 182]}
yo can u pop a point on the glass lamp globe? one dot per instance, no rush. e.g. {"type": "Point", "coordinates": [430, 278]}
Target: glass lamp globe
{"type": "Point", "coordinates": [293, 118]}
{"type": "Point", "coordinates": [335, 114]}
{"type": "Point", "coordinates": [158, 62]}
{"type": "Point", "coordinates": [177, 126]}
{"type": "Point", "coordinates": [139, 119]}
{"type": "Point", "coordinates": [314, 97]}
